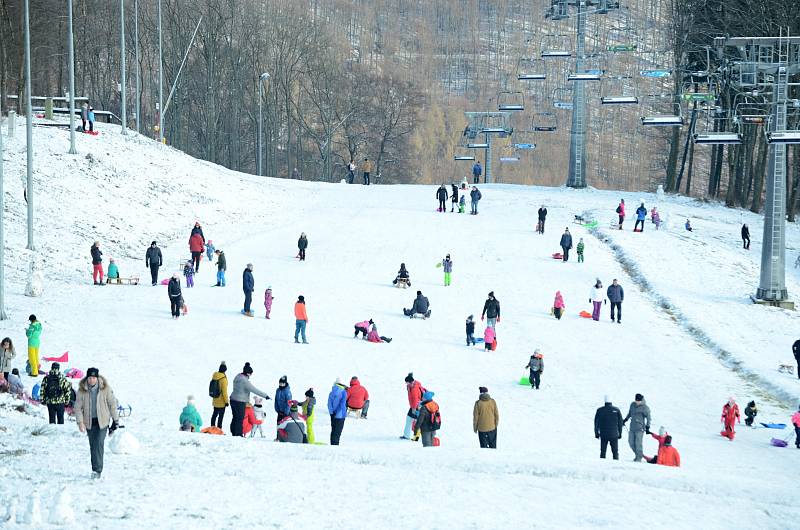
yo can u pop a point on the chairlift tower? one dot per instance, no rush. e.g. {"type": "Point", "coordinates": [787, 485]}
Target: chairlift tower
{"type": "Point", "coordinates": [764, 64]}
{"type": "Point", "coordinates": [489, 124]}
{"type": "Point", "coordinates": [559, 10]}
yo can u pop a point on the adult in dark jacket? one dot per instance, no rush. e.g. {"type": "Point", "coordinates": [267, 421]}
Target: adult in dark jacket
{"type": "Point", "coordinates": [55, 392]}
{"type": "Point", "coordinates": [746, 237]}
{"type": "Point", "coordinates": [474, 197]}
{"type": "Point", "coordinates": [542, 215]}
{"type": "Point", "coordinates": [421, 306]}
{"type": "Point", "coordinates": [240, 397]}
{"type": "Point", "coordinates": [97, 263]}
{"type": "Point", "coordinates": [248, 285]}
{"type": "Point", "coordinates": [608, 428]}
{"type": "Point", "coordinates": [302, 245]}
{"type": "Point", "coordinates": [796, 352]}
{"type": "Point", "coordinates": [616, 295]}
{"type": "Point", "coordinates": [453, 197]}
{"type": "Point", "coordinates": [154, 260]}
{"type": "Point", "coordinates": [477, 170]}
{"type": "Point", "coordinates": [639, 414]}
{"type": "Point", "coordinates": [491, 310]}
{"type": "Point", "coordinates": [441, 195]}
{"type": "Point", "coordinates": [175, 295]}
{"type": "Point", "coordinates": [566, 244]}
{"type": "Point", "coordinates": [283, 395]}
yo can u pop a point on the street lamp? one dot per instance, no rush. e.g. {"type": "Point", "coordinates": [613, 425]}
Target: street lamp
{"type": "Point", "coordinates": [263, 78]}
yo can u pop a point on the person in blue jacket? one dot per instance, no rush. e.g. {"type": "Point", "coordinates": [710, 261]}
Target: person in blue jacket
{"type": "Point", "coordinates": [337, 408]}
{"type": "Point", "coordinates": [641, 213]}
{"type": "Point", "coordinates": [248, 284]}
{"type": "Point", "coordinates": [283, 395]}
{"type": "Point", "coordinates": [477, 170]}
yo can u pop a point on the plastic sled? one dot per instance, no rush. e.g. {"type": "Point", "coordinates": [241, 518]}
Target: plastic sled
{"type": "Point", "coordinates": [165, 281]}
{"type": "Point", "coordinates": [557, 255]}
{"type": "Point", "coordinates": [35, 392]}
{"type": "Point", "coordinates": [585, 314]}
{"type": "Point", "coordinates": [63, 359]}
{"type": "Point", "coordinates": [525, 381]}
{"type": "Point", "coordinates": [438, 209]}
{"type": "Point", "coordinates": [479, 340]}
{"type": "Point", "coordinates": [774, 425]}
{"type": "Point", "coordinates": [592, 224]}
{"type": "Point", "coordinates": [777, 442]}
{"type": "Point", "coordinates": [74, 373]}
{"type": "Point", "coordinates": [212, 430]}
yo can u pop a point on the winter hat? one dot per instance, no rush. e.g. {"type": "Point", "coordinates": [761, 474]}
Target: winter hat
{"type": "Point", "coordinates": [55, 366]}
{"type": "Point", "coordinates": [491, 294]}
{"type": "Point", "coordinates": [153, 244]}
{"type": "Point", "coordinates": [190, 399]}
{"type": "Point", "coordinates": [92, 372]}
{"type": "Point", "coordinates": [223, 367]}
{"type": "Point", "coordinates": [111, 260]}
{"type": "Point", "coordinates": [301, 298]}
{"type": "Point", "coordinates": [257, 400]}
{"type": "Point", "coordinates": [605, 399]}
{"type": "Point", "coordinates": [209, 241]}
{"type": "Point", "coordinates": [751, 404]}
{"type": "Point", "coordinates": [175, 276]}
{"type": "Point", "coordinates": [370, 321]}
{"type": "Point", "coordinates": [483, 390]}
{"type": "Point", "coordinates": [310, 393]}
{"type": "Point", "coordinates": [32, 318]}
{"type": "Point", "coordinates": [247, 370]}
{"type": "Point", "coordinates": [427, 396]}
{"type": "Point", "coordinates": [537, 351]}
{"type": "Point", "coordinates": [662, 431]}
{"type": "Point", "coordinates": [269, 288]}
{"type": "Point", "coordinates": [409, 378]}
{"type": "Point", "coordinates": [471, 317]}
{"type": "Point", "coordinates": [667, 440]}
{"type": "Point", "coordinates": [731, 399]}
{"type": "Point", "coordinates": [638, 397]}
{"type": "Point", "coordinates": [283, 380]}
{"type": "Point", "coordinates": [353, 379]}
{"type": "Point", "coordinates": [293, 406]}
{"type": "Point", "coordinates": [249, 265]}
{"type": "Point", "coordinates": [338, 381]}
{"type": "Point", "coordinates": [419, 293]}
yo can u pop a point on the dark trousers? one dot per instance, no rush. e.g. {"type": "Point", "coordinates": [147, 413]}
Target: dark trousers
{"type": "Point", "coordinates": [746, 242]}
{"type": "Point", "coordinates": [635, 226]}
{"type": "Point", "coordinates": [248, 299]}
{"type": "Point", "coordinates": [302, 254]}
{"type": "Point", "coordinates": [56, 412]}
{"type": "Point", "coordinates": [614, 442]}
{"type": "Point", "coordinates": [154, 274]}
{"type": "Point", "coordinates": [442, 205]}
{"type": "Point", "coordinates": [365, 409]}
{"type": "Point", "coordinates": [366, 178]}
{"type": "Point", "coordinates": [796, 359]}
{"type": "Point", "coordinates": [97, 440]}
{"type": "Point", "coordinates": [797, 436]}
{"type": "Point", "coordinates": [618, 305]}
{"type": "Point", "coordinates": [175, 306]}
{"type": "Point", "coordinates": [237, 409]}
{"type": "Point", "coordinates": [350, 177]}
{"type": "Point", "coordinates": [281, 415]}
{"type": "Point", "coordinates": [565, 254]}
{"type": "Point", "coordinates": [535, 378]}
{"type": "Point", "coordinates": [217, 415]}
{"type": "Point", "coordinates": [476, 179]}
{"type": "Point", "coordinates": [360, 330]}
{"type": "Point", "coordinates": [488, 439]}
{"type": "Point", "coordinates": [557, 311]}
{"type": "Point", "coordinates": [196, 260]}
{"type": "Point", "coordinates": [337, 425]}
{"type": "Point", "coordinates": [470, 339]}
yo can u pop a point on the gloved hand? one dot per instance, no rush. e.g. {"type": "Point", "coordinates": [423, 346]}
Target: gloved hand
{"type": "Point", "coordinates": [113, 427]}
{"type": "Point", "coordinates": [620, 437]}
{"type": "Point", "coordinates": [481, 318]}
{"type": "Point", "coordinates": [647, 430]}
{"type": "Point", "coordinates": [597, 436]}
{"type": "Point", "coordinates": [498, 319]}
{"type": "Point", "coordinates": [590, 300]}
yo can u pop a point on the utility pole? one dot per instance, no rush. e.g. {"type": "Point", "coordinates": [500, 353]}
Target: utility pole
{"type": "Point", "coordinates": [138, 68]}
{"type": "Point", "coordinates": [29, 126]}
{"type": "Point", "coordinates": [160, 81]}
{"type": "Point", "coordinates": [123, 113]}
{"type": "Point", "coordinates": [577, 134]}
{"type": "Point", "coordinates": [3, 315]}
{"type": "Point", "coordinates": [71, 48]}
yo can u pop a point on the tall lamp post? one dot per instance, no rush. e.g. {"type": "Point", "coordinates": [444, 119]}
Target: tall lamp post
{"type": "Point", "coordinates": [263, 78]}
{"type": "Point", "coordinates": [71, 49]}
{"type": "Point", "coordinates": [3, 315]}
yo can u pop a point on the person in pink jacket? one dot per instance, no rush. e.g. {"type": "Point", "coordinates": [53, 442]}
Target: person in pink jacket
{"type": "Point", "coordinates": [374, 336]}
{"type": "Point", "coordinates": [621, 212]}
{"type": "Point", "coordinates": [363, 328]}
{"type": "Point", "coordinates": [489, 338]}
{"type": "Point", "coordinates": [730, 415]}
{"type": "Point", "coordinates": [268, 300]}
{"type": "Point", "coordinates": [796, 423]}
{"type": "Point", "coordinates": [558, 305]}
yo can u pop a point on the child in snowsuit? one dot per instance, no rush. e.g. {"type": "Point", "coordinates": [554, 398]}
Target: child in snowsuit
{"type": "Point", "coordinates": [268, 300]}
{"type": "Point", "coordinates": [188, 271]}
{"type": "Point", "coordinates": [308, 406]}
{"type": "Point", "coordinates": [210, 250]}
{"type": "Point", "coordinates": [730, 415]}
{"type": "Point", "coordinates": [751, 411]}
{"type": "Point", "coordinates": [260, 414]}
{"type": "Point", "coordinates": [579, 249]}
{"type": "Point", "coordinates": [363, 328]}
{"type": "Point", "coordinates": [462, 203]}
{"type": "Point", "coordinates": [558, 305]}
{"type": "Point", "coordinates": [470, 331]}
{"type": "Point", "coordinates": [489, 338]}
{"type": "Point", "coordinates": [448, 269]}
{"type": "Point", "coordinates": [190, 419]}
{"type": "Point", "coordinates": [536, 366]}
{"type": "Point", "coordinates": [113, 271]}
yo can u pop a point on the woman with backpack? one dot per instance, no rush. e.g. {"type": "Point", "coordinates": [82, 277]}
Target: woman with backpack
{"type": "Point", "coordinates": [218, 390]}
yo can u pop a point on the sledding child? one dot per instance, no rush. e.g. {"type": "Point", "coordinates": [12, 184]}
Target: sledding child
{"type": "Point", "coordinates": [688, 225]}
{"type": "Point", "coordinates": [190, 419]}
{"type": "Point", "coordinates": [448, 269]}
{"type": "Point", "coordinates": [751, 411]}
{"type": "Point", "coordinates": [470, 330]}
{"type": "Point", "coordinates": [260, 414]}
{"type": "Point", "coordinates": [15, 384]}
{"type": "Point", "coordinates": [188, 271]}
{"type": "Point", "coordinates": [268, 300]}
{"type": "Point", "coordinates": [667, 455]}
{"type": "Point", "coordinates": [558, 306]}
{"type": "Point", "coordinates": [113, 271]}
{"type": "Point", "coordinates": [363, 328]}
{"type": "Point", "coordinates": [536, 366]}
{"type": "Point", "coordinates": [210, 248]}
{"type": "Point", "coordinates": [308, 407]}
{"type": "Point", "coordinates": [579, 250]}
{"type": "Point", "coordinates": [374, 336]}
{"type": "Point", "coordinates": [795, 422]}
{"type": "Point", "coordinates": [730, 415]}
{"type": "Point", "coordinates": [489, 338]}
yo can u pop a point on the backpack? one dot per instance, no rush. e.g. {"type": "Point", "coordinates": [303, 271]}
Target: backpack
{"type": "Point", "coordinates": [213, 388]}
{"type": "Point", "coordinates": [436, 420]}
{"type": "Point", "coordinates": [619, 210]}
{"type": "Point", "coordinates": [51, 388]}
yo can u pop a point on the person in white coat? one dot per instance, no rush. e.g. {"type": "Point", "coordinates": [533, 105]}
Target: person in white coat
{"type": "Point", "coordinates": [597, 297]}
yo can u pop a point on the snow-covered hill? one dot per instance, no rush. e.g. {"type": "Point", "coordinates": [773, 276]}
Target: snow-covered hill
{"type": "Point", "coordinates": [545, 474]}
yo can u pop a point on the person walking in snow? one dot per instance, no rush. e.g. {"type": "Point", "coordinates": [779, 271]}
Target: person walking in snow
{"type": "Point", "coordinates": [474, 196]}
{"type": "Point", "coordinates": [639, 414]}
{"type": "Point", "coordinates": [579, 250]}
{"type": "Point", "coordinates": [283, 395]}
{"type": "Point", "coordinates": [596, 298]}
{"type": "Point", "coordinates": [485, 418]}
{"type": "Point", "coordinates": [542, 217]}
{"type": "Point", "coordinates": [621, 212]}
{"type": "Point", "coordinates": [248, 285]}
{"type": "Point", "coordinates": [90, 118]}
{"type": "Point", "coordinates": [655, 217]}
{"type": "Point", "coordinates": [730, 415]}
{"type": "Point", "coordinates": [301, 319]}
{"type": "Point", "coordinates": [796, 352]}
{"type": "Point", "coordinates": [242, 387]}
{"type": "Point", "coordinates": [745, 237]}
{"type": "Point", "coordinates": [188, 273]}
{"type": "Point", "coordinates": [441, 196]}
{"type": "Point", "coordinates": [308, 406]}
{"type": "Point", "coordinates": [489, 339]}
{"type": "Point", "coordinates": [608, 428]}
{"type": "Point", "coordinates": [358, 397]}
{"type": "Point", "coordinates": [415, 390]}
{"type": "Point", "coordinates": [97, 263]}
{"type": "Point", "coordinates": [95, 411]}
{"type": "Point", "coordinates": [448, 270]}
{"type": "Point", "coordinates": [470, 331]}
{"type": "Point", "coordinates": [302, 244]}
{"type": "Point", "coordinates": [55, 392]}
{"type": "Point", "coordinates": [222, 266]}
{"type": "Point", "coordinates": [536, 367]}
{"type": "Point", "coordinates": [616, 295]}
{"type": "Point", "coordinates": [491, 310]}
{"type": "Point", "coordinates": [196, 247]}
{"type": "Point", "coordinates": [220, 399]}
{"type": "Point", "coordinates": [7, 353]}
{"type": "Point", "coordinates": [175, 295]}
{"type": "Point", "coordinates": [429, 419]}
{"type": "Point", "coordinates": [558, 306]}
{"type": "Point", "coordinates": [210, 248]}
{"type": "Point", "coordinates": [566, 244]}
{"type": "Point", "coordinates": [477, 170]}
{"type": "Point", "coordinates": [190, 419]}
{"type": "Point", "coordinates": [153, 259]}
{"type": "Point", "coordinates": [750, 412]}
{"type": "Point", "coordinates": [337, 408]}
{"type": "Point", "coordinates": [351, 171]}
{"type": "Point", "coordinates": [453, 197]}
{"type": "Point", "coordinates": [268, 301]}
{"type": "Point", "coordinates": [796, 424]}
{"type": "Point", "coordinates": [366, 167]}
{"type": "Point", "coordinates": [34, 334]}
{"type": "Point", "coordinates": [641, 214]}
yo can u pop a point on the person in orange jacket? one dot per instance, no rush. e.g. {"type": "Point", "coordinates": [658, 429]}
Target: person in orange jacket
{"type": "Point", "coordinates": [730, 415]}
{"type": "Point", "coordinates": [667, 455]}
{"type": "Point", "coordinates": [249, 419]}
{"type": "Point", "coordinates": [357, 397]}
{"type": "Point", "coordinates": [301, 319]}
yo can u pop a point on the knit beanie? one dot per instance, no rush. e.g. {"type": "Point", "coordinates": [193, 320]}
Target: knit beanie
{"type": "Point", "coordinates": [427, 396]}
{"type": "Point", "coordinates": [222, 367]}
{"type": "Point", "coordinates": [92, 372]}
{"type": "Point", "coordinates": [483, 390]}
{"type": "Point", "coordinates": [247, 370]}
{"type": "Point", "coordinates": [409, 378]}
{"type": "Point", "coordinates": [638, 397]}
{"type": "Point", "coordinates": [310, 393]}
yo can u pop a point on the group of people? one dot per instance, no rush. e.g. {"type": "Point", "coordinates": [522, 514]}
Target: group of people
{"type": "Point", "coordinates": [460, 203]}
{"type": "Point", "coordinates": [366, 170]}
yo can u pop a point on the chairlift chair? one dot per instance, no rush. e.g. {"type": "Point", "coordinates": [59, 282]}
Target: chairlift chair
{"type": "Point", "coordinates": [786, 136]}
{"type": "Point", "coordinates": [615, 91]}
{"type": "Point", "coordinates": [675, 119]}
{"type": "Point", "coordinates": [555, 46]}
{"type": "Point", "coordinates": [544, 122]}
{"type": "Point", "coordinates": [510, 101]}
{"type": "Point", "coordinates": [530, 70]}
{"type": "Point", "coordinates": [719, 129]}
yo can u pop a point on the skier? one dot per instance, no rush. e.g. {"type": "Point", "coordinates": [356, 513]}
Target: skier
{"type": "Point", "coordinates": [597, 299]}
{"type": "Point", "coordinates": [268, 301]}
{"type": "Point", "coordinates": [222, 266]}
{"type": "Point", "coordinates": [730, 415]}
{"type": "Point", "coordinates": [196, 246]}
{"type": "Point", "coordinates": [56, 392]}
{"type": "Point", "coordinates": [474, 196]}
{"type": "Point", "coordinates": [242, 387]}
{"type": "Point", "coordinates": [489, 339]}
{"type": "Point", "coordinates": [579, 250]}
{"type": "Point", "coordinates": [420, 306]}
{"type": "Point", "coordinates": [175, 295]}
{"type": "Point", "coordinates": [358, 397]}
{"type": "Point", "coordinates": [491, 310]}
{"type": "Point", "coordinates": [558, 306]}
{"type": "Point", "coordinates": [248, 285]}
{"type": "Point", "coordinates": [301, 319]}
{"type": "Point", "coordinates": [154, 260]}
{"type": "Point", "coordinates": [453, 197]}
{"type": "Point", "coordinates": [745, 237]}
{"type": "Point", "coordinates": [97, 263]}
{"type": "Point", "coordinates": [302, 244]}
{"type": "Point", "coordinates": [188, 272]}
{"type": "Point", "coordinates": [448, 269]}
{"type": "Point", "coordinates": [293, 428]}
{"type": "Point", "coordinates": [367, 169]}
{"type": "Point", "coordinates": [608, 428]}
{"type": "Point", "coordinates": [441, 196]}
{"type": "Point", "coordinates": [415, 391]}
{"type": "Point", "coordinates": [750, 411]}
{"type": "Point", "coordinates": [542, 216]}
{"type": "Point", "coordinates": [337, 408]}
{"type": "Point", "coordinates": [796, 423]}
{"type": "Point", "coordinates": [621, 212]}
{"type": "Point", "coordinates": [7, 353]}
{"type": "Point", "coordinates": [616, 295]}
{"type": "Point", "coordinates": [220, 399]}
{"type": "Point", "coordinates": [308, 407]}
{"type": "Point", "coordinates": [470, 331]}
{"type": "Point", "coordinates": [402, 276]}
{"type": "Point", "coordinates": [641, 214]}
{"type": "Point", "coordinates": [374, 336]}
{"type": "Point", "coordinates": [536, 367]}
{"type": "Point", "coordinates": [477, 170]}
{"type": "Point", "coordinates": [429, 420]}
{"type": "Point", "coordinates": [34, 334]}
{"type": "Point", "coordinates": [566, 244]}
{"type": "Point", "coordinates": [639, 414]}
{"type": "Point", "coordinates": [485, 418]}
{"type": "Point", "coordinates": [190, 419]}
{"type": "Point", "coordinates": [95, 411]}
{"type": "Point", "coordinates": [283, 395]}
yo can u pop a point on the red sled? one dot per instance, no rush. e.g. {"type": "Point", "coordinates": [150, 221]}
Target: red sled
{"type": "Point", "coordinates": [558, 255]}
{"type": "Point", "coordinates": [63, 359]}
{"type": "Point", "coordinates": [93, 133]}
{"type": "Point", "coordinates": [585, 314]}
{"type": "Point", "coordinates": [436, 441]}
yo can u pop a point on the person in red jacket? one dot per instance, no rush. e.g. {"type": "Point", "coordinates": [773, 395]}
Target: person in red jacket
{"type": "Point", "coordinates": [357, 397]}
{"type": "Point", "coordinates": [196, 247]}
{"type": "Point", "coordinates": [667, 455]}
{"type": "Point", "coordinates": [249, 420]}
{"type": "Point", "coordinates": [415, 392]}
{"type": "Point", "coordinates": [730, 415]}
